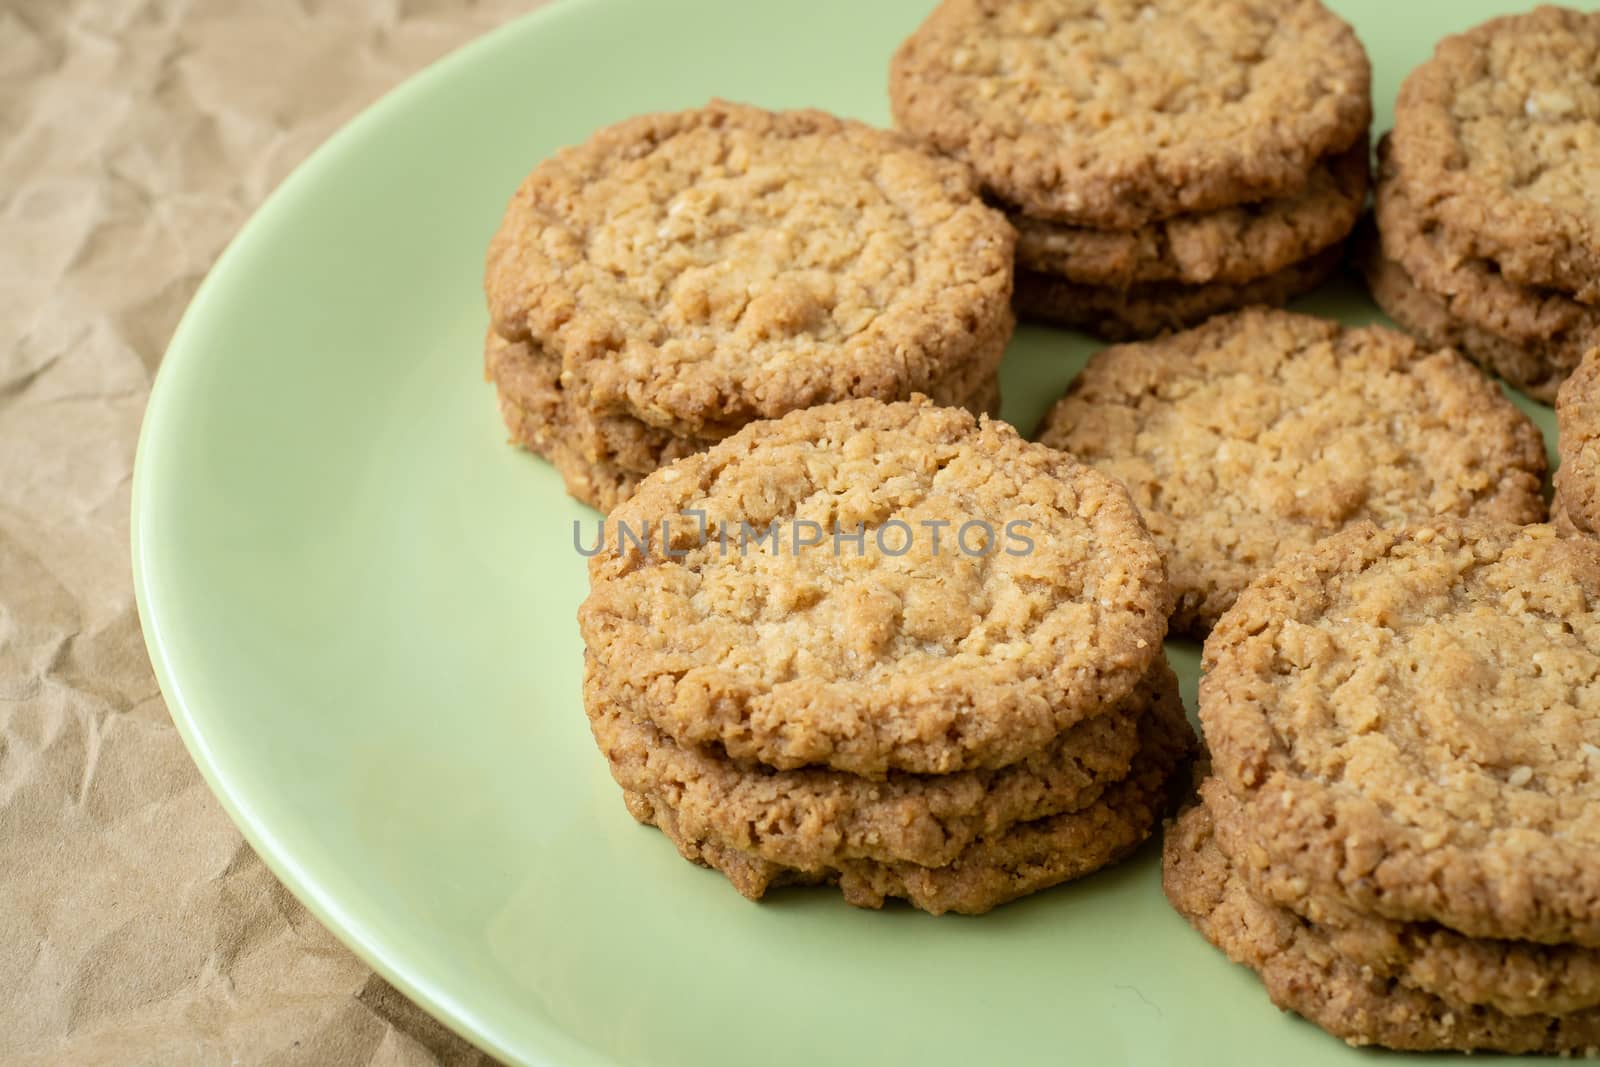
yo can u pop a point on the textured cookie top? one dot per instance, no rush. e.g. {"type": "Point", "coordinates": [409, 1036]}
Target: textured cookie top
{"type": "Point", "coordinates": [1042, 601]}
{"type": "Point", "coordinates": [1257, 434]}
{"type": "Point", "coordinates": [1501, 131]}
{"type": "Point", "coordinates": [1116, 113]}
{"type": "Point", "coordinates": [709, 267]}
{"type": "Point", "coordinates": [1305, 974]}
{"type": "Point", "coordinates": [1232, 244]}
{"type": "Point", "coordinates": [1412, 719]}
{"type": "Point", "coordinates": [1578, 420]}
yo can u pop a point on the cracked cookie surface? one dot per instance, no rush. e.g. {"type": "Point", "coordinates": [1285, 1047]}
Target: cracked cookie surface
{"type": "Point", "coordinates": [904, 653]}
{"type": "Point", "coordinates": [1257, 434]}
{"type": "Point", "coordinates": [1410, 718]}
{"type": "Point", "coordinates": [1118, 113]}
{"type": "Point", "coordinates": [706, 268]}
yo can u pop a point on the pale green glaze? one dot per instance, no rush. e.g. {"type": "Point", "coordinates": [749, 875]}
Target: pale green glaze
{"type": "Point", "coordinates": [360, 605]}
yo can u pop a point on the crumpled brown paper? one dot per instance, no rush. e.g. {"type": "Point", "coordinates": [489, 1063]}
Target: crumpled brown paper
{"type": "Point", "coordinates": [136, 136]}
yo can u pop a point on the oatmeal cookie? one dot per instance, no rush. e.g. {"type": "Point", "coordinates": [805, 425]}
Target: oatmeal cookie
{"type": "Point", "coordinates": [1151, 308]}
{"type": "Point", "coordinates": [1578, 441]}
{"type": "Point", "coordinates": [1304, 974]}
{"type": "Point", "coordinates": [707, 268]}
{"type": "Point", "coordinates": [1234, 244]}
{"type": "Point", "coordinates": [1254, 436]}
{"type": "Point", "coordinates": [1516, 977]}
{"type": "Point", "coordinates": [1116, 113]}
{"type": "Point", "coordinates": [894, 652]}
{"type": "Point", "coordinates": [1411, 719]}
{"type": "Point", "coordinates": [812, 817]}
{"type": "Point", "coordinates": [1499, 136]}
{"type": "Point", "coordinates": [1552, 328]}
{"type": "Point", "coordinates": [1025, 859]}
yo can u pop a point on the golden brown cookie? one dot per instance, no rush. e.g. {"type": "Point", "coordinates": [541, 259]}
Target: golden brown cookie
{"type": "Point", "coordinates": [1499, 136]}
{"type": "Point", "coordinates": [999, 592]}
{"type": "Point", "coordinates": [1254, 436]}
{"type": "Point", "coordinates": [1147, 309]}
{"type": "Point", "coordinates": [1118, 113]}
{"type": "Point", "coordinates": [812, 816]}
{"type": "Point", "coordinates": [1578, 439]}
{"type": "Point", "coordinates": [1552, 330]}
{"type": "Point", "coordinates": [1234, 244]}
{"type": "Point", "coordinates": [703, 269]}
{"type": "Point", "coordinates": [1304, 974]}
{"type": "Point", "coordinates": [1516, 977]}
{"type": "Point", "coordinates": [1022, 860]}
{"type": "Point", "coordinates": [1411, 720]}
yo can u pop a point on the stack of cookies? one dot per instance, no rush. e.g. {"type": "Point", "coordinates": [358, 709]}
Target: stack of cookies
{"type": "Point", "coordinates": [889, 647]}
{"type": "Point", "coordinates": [1254, 436]}
{"type": "Point", "coordinates": [677, 276]}
{"type": "Point", "coordinates": [1162, 160]}
{"type": "Point", "coordinates": [1401, 835]}
{"type": "Point", "coordinates": [1488, 205]}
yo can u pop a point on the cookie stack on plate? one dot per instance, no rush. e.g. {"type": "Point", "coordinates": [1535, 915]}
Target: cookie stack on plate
{"type": "Point", "coordinates": [677, 276]}
{"type": "Point", "coordinates": [889, 647]}
{"type": "Point", "coordinates": [1162, 161]}
{"type": "Point", "coordinates": [1488, 205]}
{"type": "Point", "coordinates": [1402, 835]}
{"type": "Point", "coordinates": [1255, 435]}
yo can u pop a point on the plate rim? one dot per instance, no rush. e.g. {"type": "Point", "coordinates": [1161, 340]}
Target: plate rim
{"type": "Point", "coordinates": [357, 935]}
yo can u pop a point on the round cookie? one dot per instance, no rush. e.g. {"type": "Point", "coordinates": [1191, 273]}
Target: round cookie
{"type": "Point", "coordinates": [602, 459]}
{"type": "Point", "coordinates": [1118, 113]}
{"type": "Point", "coordinates": [812, 817]}
{"type": "Point", "coordinates": [1499, 136]}
{"type": "Point", "coordinates": [1148, 309]}
{"type": "Point", "coordinates": [1304, 974]}
{"type": "Point", "coordinates": [1411, 720]}
{"type": "Point", "coordinates": [1534, 369]}
{"type": "Point", "coordinates": [898, 652]}
{"type": "Point", "coordinates": [1554, 330]}
{"type": "Point", "coordinates": [1516, 977]}
{"type": "Point", "coordinates": [1025, 859]}
{"type": "Point", "coordinates": [1578, 441]}
{"type": "Point", "coordinates": [1234, 244]}
{"type": "Point", "coordinates": [703, 269]}
{"type": "Point", "coordinates": [1257, 434]}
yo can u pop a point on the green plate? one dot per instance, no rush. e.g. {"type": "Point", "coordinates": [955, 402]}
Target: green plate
{"type": "Point", "coordinates": [360, 604]}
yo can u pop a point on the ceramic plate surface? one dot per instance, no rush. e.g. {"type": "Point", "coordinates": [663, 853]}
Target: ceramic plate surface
{"type": "Point", "coordinates": [360, 603]}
